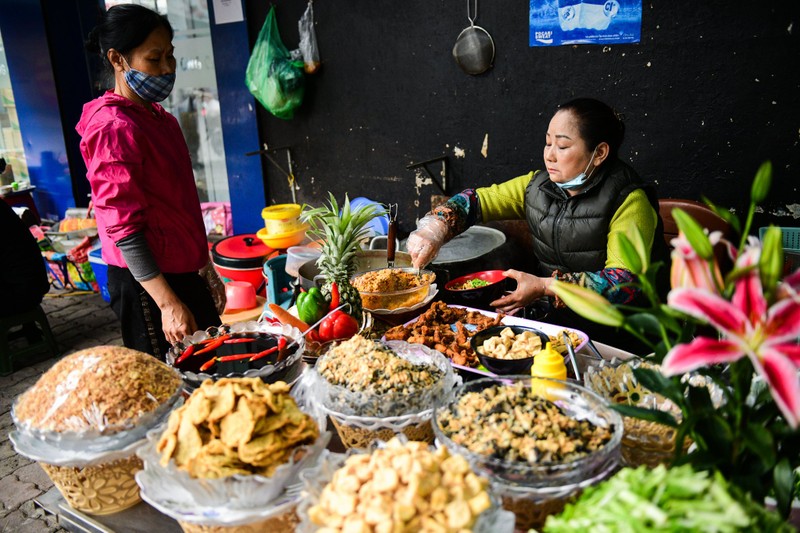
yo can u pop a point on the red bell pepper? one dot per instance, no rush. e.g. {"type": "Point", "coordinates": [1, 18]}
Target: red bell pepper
{"type": "Point", "coordinates": [337, 326]}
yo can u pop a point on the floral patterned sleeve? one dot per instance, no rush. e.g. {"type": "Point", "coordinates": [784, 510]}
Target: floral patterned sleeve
{"type": "Point", "coordinates": [612, 283]}
{"type": "Point", "coordinates": [459, 212]}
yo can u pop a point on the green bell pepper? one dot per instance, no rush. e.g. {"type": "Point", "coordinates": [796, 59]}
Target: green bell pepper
{"type": "Point", "coordinates": [311, 305]}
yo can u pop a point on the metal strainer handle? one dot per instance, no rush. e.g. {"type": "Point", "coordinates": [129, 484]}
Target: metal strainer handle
{"type": "Point", "coordinates": [469, 12]}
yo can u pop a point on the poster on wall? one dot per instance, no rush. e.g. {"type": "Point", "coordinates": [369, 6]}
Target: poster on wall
{"type": "Point", "coordinates": [560, 22]}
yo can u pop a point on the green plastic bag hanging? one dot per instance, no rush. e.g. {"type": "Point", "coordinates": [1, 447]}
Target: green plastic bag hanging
{"type": "Point", "coordinates": [272, 76]}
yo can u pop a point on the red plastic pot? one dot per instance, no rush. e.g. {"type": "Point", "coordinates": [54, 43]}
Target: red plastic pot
{"type": "Point", "coordinates": [241, 258]}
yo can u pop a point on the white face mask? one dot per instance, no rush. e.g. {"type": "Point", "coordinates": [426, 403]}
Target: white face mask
{"type": "Point", "coordinates": [579, 180]}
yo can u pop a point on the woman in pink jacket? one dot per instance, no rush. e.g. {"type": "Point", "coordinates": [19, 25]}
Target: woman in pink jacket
{"type": "Point", "coordinates": [145, 198]}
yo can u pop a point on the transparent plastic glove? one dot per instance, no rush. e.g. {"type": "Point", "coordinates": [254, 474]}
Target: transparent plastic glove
{"type": "Point", "coordinates": [423, 244]}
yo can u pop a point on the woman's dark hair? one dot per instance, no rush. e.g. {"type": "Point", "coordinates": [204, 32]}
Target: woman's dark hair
{"type": "Point", "coordinates": [124, 27]}
{"type": "Point", "coordinates": [597, 123]}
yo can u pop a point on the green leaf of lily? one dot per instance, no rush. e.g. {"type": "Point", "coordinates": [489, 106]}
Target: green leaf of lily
{"type": "Point", "coordinates": [630, 255]}
{"type": "Point", "coordinates": [653, 415]}
{"type": "Point", "coordinates": [645, 323]}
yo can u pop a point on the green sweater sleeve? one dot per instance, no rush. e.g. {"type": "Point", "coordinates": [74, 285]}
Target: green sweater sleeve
{"type": "Point", "coordinates": [634, 211]}
{"type": "Point", "coordinates": [504, 201]}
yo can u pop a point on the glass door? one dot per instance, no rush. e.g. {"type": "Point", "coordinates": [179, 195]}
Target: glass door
{"type": "Point", "coordinates": [11, 147]}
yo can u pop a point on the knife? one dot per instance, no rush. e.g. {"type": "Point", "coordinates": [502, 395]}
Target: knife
{"type": "Point", "coordinates": [391, 236]}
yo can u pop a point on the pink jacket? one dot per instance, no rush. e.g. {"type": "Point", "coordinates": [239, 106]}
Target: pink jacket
{"type": "Point", "coordinates": [140, 172]}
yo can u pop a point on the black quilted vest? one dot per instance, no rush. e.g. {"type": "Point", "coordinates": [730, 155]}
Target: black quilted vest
{"type": "Point", "coordinates": [570, 233]}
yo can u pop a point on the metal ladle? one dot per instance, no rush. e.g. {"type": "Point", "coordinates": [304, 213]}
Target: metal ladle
{"type": "Point", "coordinates": [474, 48]}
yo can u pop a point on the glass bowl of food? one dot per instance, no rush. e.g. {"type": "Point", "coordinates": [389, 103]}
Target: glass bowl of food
{"type": "Point", "coordinates": [539, 441]}
{"type": "Point", "coordinates": [243, 349]}
{"type": "Point", "coordinates": [644, 442]}
{"type": "Point", "coordinates": [532, 432]}
{"type": "Point", "coordinates": [390, 289]}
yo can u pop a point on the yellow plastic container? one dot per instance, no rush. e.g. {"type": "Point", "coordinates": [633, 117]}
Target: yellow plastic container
{"type": "Point", "coordinates": [281, 219]}
{"type": "Point", "coordinates": [547, 364]}
{"type": "Point", "coordinates": [282, 241]}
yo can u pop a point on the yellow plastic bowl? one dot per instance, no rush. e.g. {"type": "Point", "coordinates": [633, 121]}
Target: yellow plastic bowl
{"type": "Point", "coordinates": [281, 241]}
{"type": "Point", "coordinates": [281, 218]}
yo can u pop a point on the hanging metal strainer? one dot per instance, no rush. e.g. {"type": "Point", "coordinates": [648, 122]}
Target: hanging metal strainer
{"type": "Point", "coordinates": [474, 48]}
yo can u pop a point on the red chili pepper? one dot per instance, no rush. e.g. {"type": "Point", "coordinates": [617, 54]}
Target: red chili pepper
{"type": "Point", "coordinates": [265, 353]}
{"type": "Point", "coordinates": [334, 296]}
{"type": "Point", "coordinates": [239, 340]}
{"type": "Point", "coordinates": [281, 348]}
{"type": "Point", "coordinates": [213, 345]}
{"type": "Point", "coordinates": [186, 353]}
{"type": "Point", "coordinates": [208, 364]}
{"type": "Point", "coordinates": [237, 357]}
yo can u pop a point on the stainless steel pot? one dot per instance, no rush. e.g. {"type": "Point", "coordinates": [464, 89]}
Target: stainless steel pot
{"type": "Point", "coordinates": [365, 260]}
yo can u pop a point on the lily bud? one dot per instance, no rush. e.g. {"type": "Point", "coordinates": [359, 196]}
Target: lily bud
{"type": "Point", "coordinates": [694, 234]}
{"type": "Point", "coordinates": [770, 264]}
{"type": "Point", "coordinates": [762, 182]}
{"type": "Point", "coordinates": [691, 271]}
{"type": "Point", "coordinates": [588, 304]}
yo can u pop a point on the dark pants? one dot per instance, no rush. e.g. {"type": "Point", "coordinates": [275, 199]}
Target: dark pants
{"type": "Point", "coordinates": [141, 317]}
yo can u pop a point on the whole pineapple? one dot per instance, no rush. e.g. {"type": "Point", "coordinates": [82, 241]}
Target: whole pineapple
{"type": "Point", "coordinates": [341, 235]}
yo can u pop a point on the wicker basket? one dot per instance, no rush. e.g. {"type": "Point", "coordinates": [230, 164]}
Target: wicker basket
{"type": "Point", "coordinates": [100, 489]}
{"type": "Point", "coordinates": [285, 523]}
{"type": "Point", "coordinates": [357, 437]}
{"type": "Point", "coordinates": [648, 443]}
{"type": "Point", "coordinates": [531, 513]}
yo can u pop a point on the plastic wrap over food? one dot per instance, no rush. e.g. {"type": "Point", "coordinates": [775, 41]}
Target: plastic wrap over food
{"type": "Point", "coordinates": [315, 480]}
{"type": "Point", "coordinates": [236, 442]}
{"type": "Point", "coordinates": [175, 489]}
{"type": "Point", "coordinates": [98, 399]}
{"type": "Point", "coordinates": [387, 393]}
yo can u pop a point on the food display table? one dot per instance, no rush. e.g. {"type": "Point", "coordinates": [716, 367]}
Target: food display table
{"type": "Point", "coordinates": [144, 518]}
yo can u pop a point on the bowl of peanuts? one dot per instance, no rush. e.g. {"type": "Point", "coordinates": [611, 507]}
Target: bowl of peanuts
{"type": "Point", "coordinates": [508, 350]}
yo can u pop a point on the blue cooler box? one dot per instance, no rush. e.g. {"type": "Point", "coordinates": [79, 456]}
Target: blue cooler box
{"type": "Point", "coordinates": [100, 269]}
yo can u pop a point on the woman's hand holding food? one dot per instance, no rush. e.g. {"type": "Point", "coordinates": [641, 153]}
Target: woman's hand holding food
{"type": "Point", "coordinates": [529, 288]}
{"type": "Point", "coordinates": [423, 244]}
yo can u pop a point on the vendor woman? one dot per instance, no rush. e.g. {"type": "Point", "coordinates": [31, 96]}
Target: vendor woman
{"type": "Point", "coordinates": [576, 209]}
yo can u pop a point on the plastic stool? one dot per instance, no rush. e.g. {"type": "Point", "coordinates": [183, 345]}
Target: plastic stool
{"type": "Point", "coordinates": [34, 316]}
{"type": "Point", "coordinates": [279, 283]}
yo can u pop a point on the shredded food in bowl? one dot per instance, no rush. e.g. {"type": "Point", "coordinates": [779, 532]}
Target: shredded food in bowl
{"type": "Point", "coordinates": [390, 280]}
{"type": "Point", "coordinates": [471, 284]}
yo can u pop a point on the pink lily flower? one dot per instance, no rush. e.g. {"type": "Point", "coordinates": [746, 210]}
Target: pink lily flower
{"type": "Point", "coordinates": [690, 270]}
{"type": "Point", "coordinates": [768, 336]}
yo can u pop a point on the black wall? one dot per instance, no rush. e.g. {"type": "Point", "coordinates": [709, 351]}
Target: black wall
{"type": "Point", "coordinates": [709, 93]}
